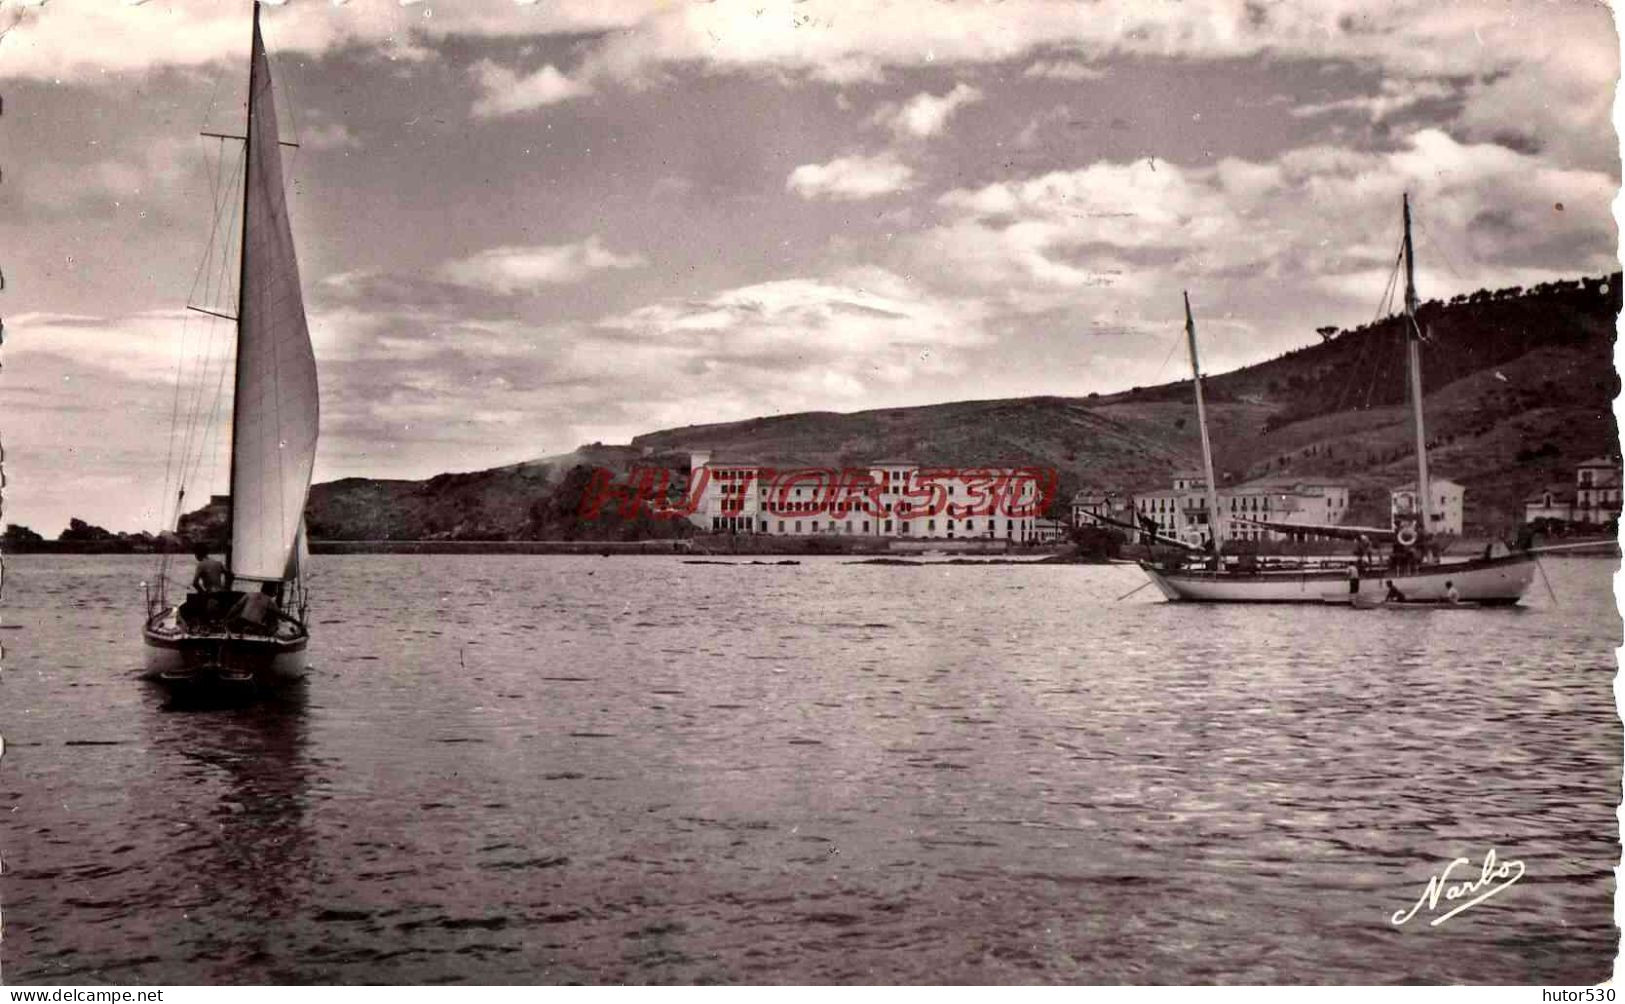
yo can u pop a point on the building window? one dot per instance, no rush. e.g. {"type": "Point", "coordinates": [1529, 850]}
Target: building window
{"type": "Point", "coordinates": [798, 526]}
{"type": "Point", "coordinates": [930, 524]}
{"type": "Point", "coordinates": [888, 526]}
{"type": "Point", "coordinates": [865, 526]}
{"type": "Point", "coordinates": [781, 526]}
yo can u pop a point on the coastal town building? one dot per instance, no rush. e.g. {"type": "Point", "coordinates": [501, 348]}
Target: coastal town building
{"type": "Point", "coordinates": [1114, 505]}
{"type": "Point", "coordinates": [1049, 531]}
{"type": "Point", "coordinates": [1596, 494]}
{"type": "Point", "coordinates": [1593, 499]}
{"type": "Point", "coordinates": [1182, 511]}
{"type": "Point", "coordinates": [900, 499]}
{"type": "Point", "coordinates": [1444, 509]}
{"type": "Point", "coordinates": [1553, 501]}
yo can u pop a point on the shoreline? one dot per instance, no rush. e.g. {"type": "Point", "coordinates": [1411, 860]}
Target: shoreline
{"type": "Point", "coordinates": [741, 547]}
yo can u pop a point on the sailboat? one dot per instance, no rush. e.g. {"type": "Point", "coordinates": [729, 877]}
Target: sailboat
{"type": "Point", "coordinates": [1415, 575]}
{"type": "Point", "coordinates": [255, 634]}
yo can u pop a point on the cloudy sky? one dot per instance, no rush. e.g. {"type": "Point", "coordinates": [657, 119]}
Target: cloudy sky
{"type": "Point", "coordinates": [526, 226]}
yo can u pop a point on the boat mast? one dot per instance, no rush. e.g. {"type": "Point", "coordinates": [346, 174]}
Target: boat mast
{"type": "Point", "coordinates": [1201, 420]}
{"type": "Point", "coordinates": [1413, 359]}
{"type": "Point", "coordinates": [242, 287]}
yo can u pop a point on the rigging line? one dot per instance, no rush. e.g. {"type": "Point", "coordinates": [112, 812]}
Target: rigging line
{"type": "Point", "coordinates": [200, 379]}
{"type": "Point", "coordinates": [174, 420]}
{"type": "Point", "coordinates": [192, 436]}
{"type": "Point", "coordinates": [206, 266]}
{"type": "Point", "coordinates": [213, 428]}
{"type": "Point", "coordinates": [174, 468]}
{"type": "Point", "coordinates": [1155, 376]}
{"type": "Point", "coordinates": [292, 102]}
{"type": "Point", "coordinates": [1385, 305]}
{"type": "Point", "coordinates": [1436, 246]}
{"type": "Point", "coordinates": [209, 428]}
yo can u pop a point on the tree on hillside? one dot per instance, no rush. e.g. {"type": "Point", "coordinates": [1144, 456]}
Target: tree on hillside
{"type": "Point", "coordinates": [78, 529]}
{"type": "Point", "coordinates": [19, 536]}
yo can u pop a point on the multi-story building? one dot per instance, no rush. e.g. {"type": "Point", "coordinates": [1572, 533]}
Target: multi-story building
{"type": "Point", "coordinates": [1596, 491]}
{"type": "Point", "coordinates": [885, 498]}
{"type": "Point", "coordinates": [1444, 507]}
{"type": "Point", "coordinates": [1594, 499]}
{"type": "Point", "coordinates": [1182, 511]}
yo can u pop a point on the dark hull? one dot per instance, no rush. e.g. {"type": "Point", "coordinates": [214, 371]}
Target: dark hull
{"type": "Point", "coordinates": [216, 662]}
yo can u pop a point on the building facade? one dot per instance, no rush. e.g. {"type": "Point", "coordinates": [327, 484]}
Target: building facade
{"type": "Point", "coordinates": [888, 498]}
{"type": "Point", "coordinates": [1594, 499]}
{"type": "Point", "coordinates": [1182, 511]}
{"type": "Point", "coordinates": [1596, 491]}
{"type": "Point", "coordinates": [1444, 509]}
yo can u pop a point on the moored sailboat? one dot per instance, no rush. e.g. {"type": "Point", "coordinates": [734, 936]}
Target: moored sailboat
{"type": "Point", "coordinates": [1415, 573]}
{"type": "Point", "coordinates": [254, 632]}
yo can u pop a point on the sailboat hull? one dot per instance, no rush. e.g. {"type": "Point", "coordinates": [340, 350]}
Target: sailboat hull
{"type": "Point", "coordinates": [1486, 582]}
{"type": "Point", "coordinates": [183, 658]}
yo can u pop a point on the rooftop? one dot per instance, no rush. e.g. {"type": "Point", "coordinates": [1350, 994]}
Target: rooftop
{"type": "Point", "coordinates": [1285, 481]}
{"type": "Point", "coordinates": [1410, 486]}
{"type": "Point", "coordinates": [1560, 493]}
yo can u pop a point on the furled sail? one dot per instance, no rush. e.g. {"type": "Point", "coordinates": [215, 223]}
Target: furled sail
{"type": "Point", "coordinates": [274, 416]}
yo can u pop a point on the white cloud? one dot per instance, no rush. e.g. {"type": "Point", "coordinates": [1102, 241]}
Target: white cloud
{"type": "Point", "coordinates": [1063, 69]}
{"type": "Point", "coordinates": [518, 269]}
{"type": "Point", "coordinates": [854, 177]}
{"type": "Point", "coordinates": [140, 347]}
{"type": "Point", "coordinates": [784, 345]}
{"type": "Point", "coordinates": [328, 136]}
{"type": "Point", "coordinates": [504, 92]}
{"type": "Point", "coordinates": [1396, 94]}
{"type": "Point", "coordinates": [925, 115]}
{"type": "Point", "coordinates": [1544, 69]}
{"type": "Point", "coordinates": [1488, 215]}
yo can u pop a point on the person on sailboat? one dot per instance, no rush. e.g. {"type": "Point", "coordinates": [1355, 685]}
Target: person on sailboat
{"type": "Point", "coordinates": [210, 581]}
{"type": "Point", "coordinates": [210, 576]}
{"type": "Point", "coordinates": [1394, 595]}
{"type": "Point", "coordinates": [1354, 579]}
{"type": "Point", "coordinates": [1450, 593]}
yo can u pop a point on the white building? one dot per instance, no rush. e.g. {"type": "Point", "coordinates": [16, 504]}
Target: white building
{"type": "Point", "coordinates": [1444, 507]}
{"type": "Point", "coordinates": [1596, 491]}
{"type": "Point", "coordinates": [1554, 501]}
{"type": "Point", "coordinates": [1091, 502]}
{"type": "Point", "coordinates": [1182, 511]}
{"type": "Point", "coordinates": [1594, 499]}
{"type": "Point", "coordinates": [1049, 531]}
{"type": "Point", "coordinates": [887, 498]}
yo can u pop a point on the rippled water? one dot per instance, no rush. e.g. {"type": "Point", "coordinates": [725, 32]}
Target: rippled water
{"type": "Point", "coordinates": [523, 769]}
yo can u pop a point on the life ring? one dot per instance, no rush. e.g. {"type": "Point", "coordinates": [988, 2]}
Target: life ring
{"type": "Point", "coordinates": [1407, 536]}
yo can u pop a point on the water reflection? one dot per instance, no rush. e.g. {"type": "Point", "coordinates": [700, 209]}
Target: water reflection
{"type": "Point", "coordinates": [542, 770]}
{"type": "Point", "coordinates": [239, 784]}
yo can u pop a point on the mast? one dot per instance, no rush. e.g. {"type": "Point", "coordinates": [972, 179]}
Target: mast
{"type": "Point", "coordinates": [1201, 420]}
{"type": "Point", "coordinates": [1413, 361]}
{"type": "Point", "coordinates": [242, 287]}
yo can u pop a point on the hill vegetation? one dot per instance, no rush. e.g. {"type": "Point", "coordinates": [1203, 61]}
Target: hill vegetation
{"type": "Point", "coordinates": [1520, 389]}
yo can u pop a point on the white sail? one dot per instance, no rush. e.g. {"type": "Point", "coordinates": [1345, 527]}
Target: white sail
{"type": "Point", "coordinates": [300, 557]}
{"type": "Point", "coordinates": [275, 411]}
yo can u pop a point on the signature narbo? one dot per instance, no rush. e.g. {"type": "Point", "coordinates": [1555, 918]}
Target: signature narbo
{"type": "Point", "coordinates": [1480, 889]}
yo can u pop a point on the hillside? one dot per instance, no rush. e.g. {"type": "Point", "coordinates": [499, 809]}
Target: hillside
{"type": "Point", "coordinates": [1520, 389]}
